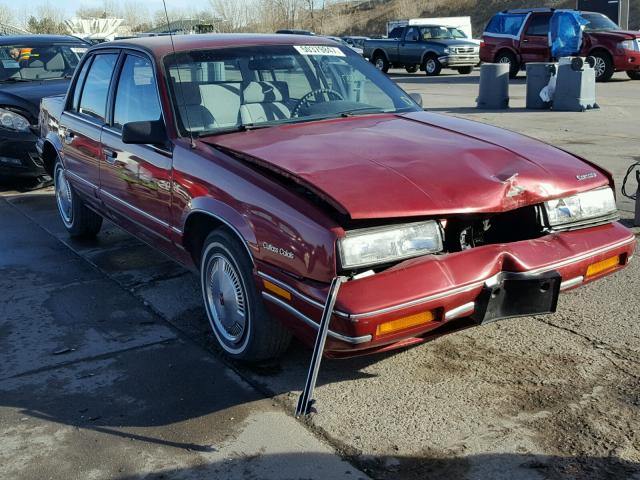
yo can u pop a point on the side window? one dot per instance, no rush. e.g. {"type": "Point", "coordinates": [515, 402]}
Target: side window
{"type": "Point", "coordinates": [93, 101]}
{"type": "Point", "coordinates": [78, 87]}
{"type": "Point", "coordinates": [539, 25]}
{"type": "Point", "coordinates": [137, 93]}
{"type": "Point", "coordinates": [412, 35]}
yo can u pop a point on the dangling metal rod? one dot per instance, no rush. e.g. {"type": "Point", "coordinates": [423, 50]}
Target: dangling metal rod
{"type": "Point", "coordinates": [306, 401]}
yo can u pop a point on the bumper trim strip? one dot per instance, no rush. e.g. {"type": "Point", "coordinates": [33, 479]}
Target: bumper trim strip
{"type": "Point", "coordinates": [314, 324]}
{"type": "Point", "coordinates": [460, 311]}
{"type": "Point", "coordinates": [571, 282]}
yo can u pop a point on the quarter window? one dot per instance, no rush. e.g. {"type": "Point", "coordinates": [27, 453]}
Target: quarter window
{"type": "Point", "coordinates": [136, 95]}
{"type": "Point", "coordinates": [93, 101]}
{"type": "Point", "coordinates": [539, 25]}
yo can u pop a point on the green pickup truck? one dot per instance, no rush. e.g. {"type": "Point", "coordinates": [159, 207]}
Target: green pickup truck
{"type": "Point", "coordinates": [429, 48]}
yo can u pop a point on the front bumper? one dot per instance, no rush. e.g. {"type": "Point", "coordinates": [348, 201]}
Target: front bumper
{"type": "Point", "coordinates": [18, 155]}
{"type": "Point", "coordinates": [460, 60]}
{"type": "Point", "coordinates": [629, 61]}
{"type": "Point", "coordinates": [450, 285]}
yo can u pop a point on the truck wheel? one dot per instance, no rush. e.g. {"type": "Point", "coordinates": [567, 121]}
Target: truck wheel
{"type": "Point", "coordinates": [381, 63]}
{"type": "Point", "coordinates": [411, 68]}
{"type": "Point", "coordinates": [465, 70]}
{"type": "Point", "coordinates": [78, 219]}
{"type": "Point", "coordinates": [634, 74]}
{"type": "Point", "coordinates": [603, 66]}
{"type": "Point", "coordinates": [507, 57]}
{"type": "Point", "coordinates": [238, 318]}
{"type": "Point", "coordinates": [432, 66]}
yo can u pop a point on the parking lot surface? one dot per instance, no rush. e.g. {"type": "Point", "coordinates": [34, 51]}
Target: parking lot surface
{"type": "Point", "coordinates": [108, 371]}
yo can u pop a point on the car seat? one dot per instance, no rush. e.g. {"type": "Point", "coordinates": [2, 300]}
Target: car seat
{"type": "Point", "coordinates": [263, 102]}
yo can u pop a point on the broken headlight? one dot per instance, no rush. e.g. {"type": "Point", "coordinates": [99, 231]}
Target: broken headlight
{"type": "Point", "coordinates": [582, 208]}
{"type": "Point", "coordinates": [374, 246]}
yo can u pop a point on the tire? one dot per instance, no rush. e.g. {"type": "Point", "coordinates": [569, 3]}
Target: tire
{"type": "Point", "coordinates": [432, 66]}
{"type": "Point", "coordinates": [380, 62]}
{"type": "Point", "coordinates": [240, 323]}
{"type": "Point", "coordinates": [78, 219]}
{"type": "Point", "coordinates": [411, 68]}
{"type": "Point", "coordinates": [465, 70]}
{"type": "Point", "coordinates": [634, 74]}
{"type": "Point", "coordinates": [603, 66]}
{"type": "Point", "coordinates": [506, 56]}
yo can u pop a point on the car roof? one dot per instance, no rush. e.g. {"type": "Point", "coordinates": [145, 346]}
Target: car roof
{"type": "Point", "coordinates": [162, 45]}
{"type": "Point", "coordinates": [39, 39]}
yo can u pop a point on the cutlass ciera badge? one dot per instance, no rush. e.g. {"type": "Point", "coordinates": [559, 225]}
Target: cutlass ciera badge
{"type": "Point", "coordinates": [586, 176]}
{"type": "Point", "coordinates": [277, 250]}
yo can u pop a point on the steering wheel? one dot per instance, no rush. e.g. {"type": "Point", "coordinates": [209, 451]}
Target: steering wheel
{"type": "Point", "coordinates": [304, 101]}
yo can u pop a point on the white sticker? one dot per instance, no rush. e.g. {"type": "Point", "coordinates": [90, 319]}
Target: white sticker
{"type": "Point", "coordinates": [319, 50]}
{"type": "Point", "coordinates": [10, 64]}
{"type": "Point", "coordinates": [79, 50]}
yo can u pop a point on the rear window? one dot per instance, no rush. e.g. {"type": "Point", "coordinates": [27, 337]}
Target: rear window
{"type": "Point", "coordinates": [506, 24]}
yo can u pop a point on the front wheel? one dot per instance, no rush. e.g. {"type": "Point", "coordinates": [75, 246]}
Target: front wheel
{"type": "Point", "coordinates": [603, 66]}
{"type": "Point", "coordinates": [78, 219]}
{"type": "Point", "coordinates": [432, 67]}
{"type": "Point", "coordinates": [240, 323]}
{"type": "Point", "coordinates": [465, 70]}
{"type": "Point", "coordinates": [634, 74]}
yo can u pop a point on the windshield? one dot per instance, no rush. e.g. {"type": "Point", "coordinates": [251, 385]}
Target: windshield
{"type": "Point", "coordinates": [436, 33]}
{"type": "Point", "coordinates": [230, 89]}
{"type": "Point", "coordinates": [43, 62]}
{"type": "Point", "coordinates": [598, 22]}
{"type": "Point", "coordinates": [457, 33]}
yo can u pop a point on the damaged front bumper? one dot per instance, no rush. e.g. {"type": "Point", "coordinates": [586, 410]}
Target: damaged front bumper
{"type": "Point", "coordinates": [477, 285]}
{"type": "Point", "coordinates": [18, 155]}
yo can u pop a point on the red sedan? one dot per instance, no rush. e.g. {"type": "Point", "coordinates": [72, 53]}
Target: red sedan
{"type": "Point", "coordinates": [273, 164]}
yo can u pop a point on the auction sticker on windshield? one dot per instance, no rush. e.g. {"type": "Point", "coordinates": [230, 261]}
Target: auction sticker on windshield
{"type": "Point", "coordinates": [319, 50]}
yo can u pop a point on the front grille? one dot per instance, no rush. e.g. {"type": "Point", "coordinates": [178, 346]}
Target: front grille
{"type": "Point", "coordinates": [463, 50]}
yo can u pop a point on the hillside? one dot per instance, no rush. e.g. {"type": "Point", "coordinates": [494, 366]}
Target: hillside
{"type": "Point", "coordinates": [369, 17]}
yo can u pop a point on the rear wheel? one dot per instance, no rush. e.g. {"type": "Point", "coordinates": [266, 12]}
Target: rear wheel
{"type": "Point", "coordinates": [381, 63]}
{"type": "Point", "coordinates": [634, 74]}
{"type": "Point", "coordinates": [411, 68]}
{"type": "Point", "coordinates": [507, 57]}
{"type": "Point", "coordinates": [238, 318]}
{"type": "Point", "coordinates": [603, 65]}
{"type": "Point", "coordinates": [78, 219]}
{"type": "Point", "coordinates": [432, 66]}
{"type": "Point", "coordinates": [465, 70]}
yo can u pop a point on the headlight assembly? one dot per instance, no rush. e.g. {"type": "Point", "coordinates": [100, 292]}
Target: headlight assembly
{"type": "Point", "coordinates": [629, 45]}
{"type": "Point", "coordinates": [374, 246]}
{"type": "Point", "coordinates": [582, 208]}
{"type": "Point", "coordinates": [13, 121]}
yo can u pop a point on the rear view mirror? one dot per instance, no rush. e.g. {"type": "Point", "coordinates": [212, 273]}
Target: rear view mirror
{"type": "Point", "coordinates": [416, 97]}
{"type": "Point", "coordinates": [142, 133]}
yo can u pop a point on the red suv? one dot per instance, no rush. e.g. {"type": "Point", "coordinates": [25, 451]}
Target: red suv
{"type": "Point", "coordinates": [521, 36]}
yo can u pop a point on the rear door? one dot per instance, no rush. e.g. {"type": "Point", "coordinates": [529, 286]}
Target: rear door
{"type": "Point", "coordinates": [534, 46]}
{"type": "Point", "coordinates": [82, 122]}
{"type": "Point", "coordinates": [135, 180]}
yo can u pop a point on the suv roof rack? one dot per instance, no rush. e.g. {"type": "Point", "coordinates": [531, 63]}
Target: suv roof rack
{"type": "Point", "coordinates": [529, 10]}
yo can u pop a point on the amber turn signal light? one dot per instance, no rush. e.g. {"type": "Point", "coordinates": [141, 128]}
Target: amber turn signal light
{"type": "Point", "coordinates": [273, 288]}
{"type": "Point", "coordinates": [405, 322]}
{"type": "Point", "coordinates": [603, 266]}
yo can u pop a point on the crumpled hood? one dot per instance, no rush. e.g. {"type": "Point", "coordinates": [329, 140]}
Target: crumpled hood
{"type": "Point", "coordinates": [416, 164]}
{"type": "Point", "coordinates": [27, 95]}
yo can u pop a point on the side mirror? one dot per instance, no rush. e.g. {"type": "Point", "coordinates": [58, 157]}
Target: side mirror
{"type": "Point", "coordinates": [143, 133]}
{"type": "Point", "coordinates": [416, 97]}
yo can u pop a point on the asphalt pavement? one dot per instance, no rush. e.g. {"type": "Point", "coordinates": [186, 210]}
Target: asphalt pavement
{"type": "Point", "coordinates": [107, 368]}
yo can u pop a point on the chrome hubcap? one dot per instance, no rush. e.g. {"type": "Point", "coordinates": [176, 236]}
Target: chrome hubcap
{"type": "Point", "coordinates": [431, 66]}
{"type": "Point", "coordinates": [379, 63]}
{"type": "Point", "coordinates": [63, 196]}
{"type": "Point", "coordinates": [226, 300]}
{"type": "Point", "coordinates": [504, 60]}
{"type": "Point", "coordinates": [599, 67]}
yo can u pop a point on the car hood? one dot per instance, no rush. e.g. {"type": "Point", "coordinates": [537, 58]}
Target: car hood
{"type": "Point", "coordinates": [416, 164]}
{"type": "Point", "coordinates": [27, 95]}
{"type": "Point", "coordinates": [453, 42]}
{"type": "Point", "coordinates": [619, 35]}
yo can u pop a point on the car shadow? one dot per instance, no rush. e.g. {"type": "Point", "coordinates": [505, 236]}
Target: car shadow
{"type": "Point", "coordinates": [416, 467]}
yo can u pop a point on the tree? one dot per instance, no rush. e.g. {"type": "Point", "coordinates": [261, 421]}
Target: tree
{"type": "Point", "coordinates": [136, 16]}
{"type": "Point", "coordinates": [48, 19]}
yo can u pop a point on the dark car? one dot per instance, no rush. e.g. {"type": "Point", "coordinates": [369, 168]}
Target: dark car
{"type": "Point", "coordinates": [290, 31]}
{"type": "Point", "coordinates": [275, 164]}
{"type": "Point", "coordinates": [521, 36]}
{"type": "Point", "coordinates": [429, 48]}
{"type": "Point", "coordinates": [31, 67]}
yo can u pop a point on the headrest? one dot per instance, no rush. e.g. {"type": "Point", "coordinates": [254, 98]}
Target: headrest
{"type": "Point", "coordinates": [261, 92]}
{"type": "Point", "coordinates": [56, 63]}
{"type": "Point", "coordinates": [187, 93]}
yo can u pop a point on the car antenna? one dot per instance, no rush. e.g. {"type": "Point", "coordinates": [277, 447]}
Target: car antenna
{"type": "Point", "coordinates": [179, 82]}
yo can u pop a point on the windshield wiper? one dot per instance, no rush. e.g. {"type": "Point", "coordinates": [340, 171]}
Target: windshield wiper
{"type": "Point", "coordinates": [15, 80]}
{"type": "Point", "coordinates": [361, 111]}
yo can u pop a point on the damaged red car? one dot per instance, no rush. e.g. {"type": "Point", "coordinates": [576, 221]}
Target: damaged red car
{"type": "Point", "coordinates": [273, 164]}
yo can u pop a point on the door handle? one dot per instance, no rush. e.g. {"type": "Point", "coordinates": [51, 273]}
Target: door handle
{"type": "Point", "coordinates": [525, 41]}
{"type": "Point", "coordinates": [110, 155]}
